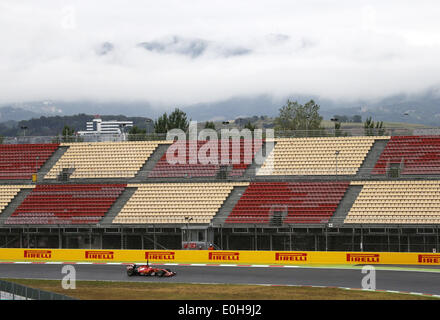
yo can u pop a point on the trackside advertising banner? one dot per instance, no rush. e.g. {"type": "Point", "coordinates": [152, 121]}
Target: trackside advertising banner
{"type": "Point", "coordinates": [218, 257]}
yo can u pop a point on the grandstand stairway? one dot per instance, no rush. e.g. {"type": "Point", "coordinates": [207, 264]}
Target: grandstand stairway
{"type": "Point", "coordinates": [118, 205]}
{"type": "Point", "coordinates": [253, 168]}
{"type": "Point", "coordinates": [228, 205]}
{"type": "Point", "coordinates": [371, 159]}
{"type": "Point", "coordinates": [345, 205]}
{"type": "Point", "coordinates": [223, 172]}
{"type": "Point", "coordinates": [13, 205]}
{"type": "Point", "coordinates": [51, 162]}
{"type": "Point", "coordinates": [149, 165]}
{"type": "Point", "coordinates": [65, 174]}
{"type": "Point", "coordinates": [277, 218]}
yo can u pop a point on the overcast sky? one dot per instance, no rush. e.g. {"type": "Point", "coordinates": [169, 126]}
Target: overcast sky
{"type": "Point", "coordinates": [207, 51]}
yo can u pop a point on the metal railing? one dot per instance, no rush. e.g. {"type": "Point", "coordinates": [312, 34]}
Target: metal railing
{"type": "Point", "coordinates": [14, 291]}
{"type": "Point", "coordinates": [324, 132]}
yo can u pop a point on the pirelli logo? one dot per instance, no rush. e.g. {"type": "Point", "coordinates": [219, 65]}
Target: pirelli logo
{"type": "Point", "coordinates": [160, 255]}
{"type": "Point", "coordinates": [429, 258]}
{"type": "Point", "coordinates": [37, 254]}
{"type": "Point", "coordinates": [224, 256]}
{"type": "Point", "coordinates": [283, 256]}
{"type": "Point", "coordinates": [362, 257]}
{"type": "Point", "coordinates": [99, 255]}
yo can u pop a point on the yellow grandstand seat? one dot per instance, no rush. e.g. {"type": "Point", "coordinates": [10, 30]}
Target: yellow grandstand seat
{"type": "Point", "coordinates": [172, 202]}
{"type": "Point", "coordinates": [316, 156]}
{"type": "Point", "coordinates": [415, 202]}
{"type": "Point", "coordinates": [104, 159]}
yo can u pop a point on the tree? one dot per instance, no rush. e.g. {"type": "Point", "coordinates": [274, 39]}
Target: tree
{"type": "Point", "coordinates": [137, 134]}
{"type": "Point", "coordinates": [379, 128]}
{"type": "Point", "coordinates": [68, 134]}
{"type": "Point", "coordinates": [357, 118]}
{"type": "Point", "coordinates": [250, 126]}
{"type": "Point", "coordinates": [176, 120]}
{"type": "Point", "coordinates": [210, 125]}
{"type": "Point", "coordinates": [2, 139]}
{"type": "Point", "coordinates": [341, 118]}
{"type": "Point", "coordinates": [161, 124]}
{"type": "Point", "coordinates": [338, 131]}
{"type": "Point", "coordinates": [371, 129]}
{"type": "Point", "coordinates": [294, 116]}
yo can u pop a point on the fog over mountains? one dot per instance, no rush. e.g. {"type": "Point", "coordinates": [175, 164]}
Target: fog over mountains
{"type": "Point", "coordinates": [220, 60]}
{"type": "Point", "coordinates": [422, 109]}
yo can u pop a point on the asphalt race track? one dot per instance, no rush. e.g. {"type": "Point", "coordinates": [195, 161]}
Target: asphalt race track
{"type": "Point", "coordinates": [407, 281]}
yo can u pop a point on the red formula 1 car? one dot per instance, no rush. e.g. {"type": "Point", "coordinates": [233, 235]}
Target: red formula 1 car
{"type": "Point", "coordinates": [147, 270]}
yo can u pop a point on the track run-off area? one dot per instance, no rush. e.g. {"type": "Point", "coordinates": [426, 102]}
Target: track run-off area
{"type": "Point", "coordinates": [402, 279]}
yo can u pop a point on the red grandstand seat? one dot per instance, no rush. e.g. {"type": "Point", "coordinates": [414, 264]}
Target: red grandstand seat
{"type": "Point", "coordinates": [417, 154]}
{"type": "Point", "coordinates": [20, 161]}
{"type": "Point", "coordinates": [302, 202]}
{"type": "Point", "coordinates": [66, 204]}
{"type": "Point", "coordinates": [164, 169]}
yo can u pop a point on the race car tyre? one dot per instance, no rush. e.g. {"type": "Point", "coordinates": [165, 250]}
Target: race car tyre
{"type": "Point", "coordinates": [160, 273]}
{"type": "Point", "coordinates": [130, 273]}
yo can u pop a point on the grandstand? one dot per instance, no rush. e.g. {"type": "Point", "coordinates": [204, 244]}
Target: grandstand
{"type": "Point", "coordinates": [375, 193]}
{"type": "Point", "coordinates": [318, 156]}
{"type": "Point", "coordinates": [20, 161]}
{"type": "Point", "coordinates": [104, 159]}
{"type": "Point", "coordinates": [66, 204]}
{"type": "Point", "coordinates": [294, 202]}
{"type": "Point", "coordinates": [398, 202]}
{"type": "Point", "coordinates": [172, 202]}
{"type": "Point", "coordinates": [200, 168]}
{"type": "Point", "coordinates": [418, 155]}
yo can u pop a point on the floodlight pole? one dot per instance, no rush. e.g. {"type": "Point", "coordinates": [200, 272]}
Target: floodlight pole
{"type": "Point", "coordinates": [188, 219]}
{"type": "Point", "coordinates": [24, 130]}
{"type": "Point", "coordinates": [36, 164]}
{"type": "Point", "coordinates": [336, 158]}
{"type": "Point", "coordinates": [307, 125]}
{"type": "Point", "coordinates": [335, 120]}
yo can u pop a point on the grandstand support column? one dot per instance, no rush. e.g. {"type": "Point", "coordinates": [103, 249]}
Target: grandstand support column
{"type": "Point", "coordinates": [142, 239]}
{"type": "Point", "coordinates": [122, 238]}
{"type": "Point", "coordinates": [60, 239]}
{"type": "Point", "coordinates": [436, 242]}
{"type": "Point", "coordinates": [290, 239]}
{"type": "Point", "coordinates": [352, 238]}
{"type": "Point", "coordinates": [326, 238]}
{"type": "Point", "coordinates": [154, 236]}
{"type": "Point", "coordinates": [388, 239]}
{"type": "Point", "coordinates": [255, 233]}
{"type": "Point", "coordinates": [362, 239]}
{"type": "Point", "coordinates": [221, 237]}
{"type": "Point", "coordinates": [90, 238]}
{"type": "Point", "coordinates": [424, 243]}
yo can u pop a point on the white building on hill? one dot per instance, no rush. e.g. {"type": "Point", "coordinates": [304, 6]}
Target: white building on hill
{"type": "Point", "coordinates": [106, 130]}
